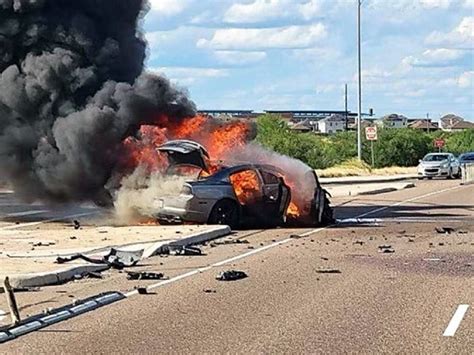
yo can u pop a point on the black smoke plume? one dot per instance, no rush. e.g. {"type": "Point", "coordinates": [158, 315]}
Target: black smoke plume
{"type": "Point", "coordinates": [72, 88]}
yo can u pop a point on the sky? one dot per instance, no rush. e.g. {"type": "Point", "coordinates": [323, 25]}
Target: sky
{"type": "Point", "coordinates": [417, 55]}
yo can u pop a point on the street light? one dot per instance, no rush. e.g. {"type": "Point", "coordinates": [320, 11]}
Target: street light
{"type": "Point", "coordinates": [359, 95]}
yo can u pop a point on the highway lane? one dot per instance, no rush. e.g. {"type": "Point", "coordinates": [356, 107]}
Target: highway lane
{"type": "Point", "coordinates": [394, 302]}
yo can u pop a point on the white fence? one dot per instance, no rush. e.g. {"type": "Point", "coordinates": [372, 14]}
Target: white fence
{"type": "Point", "coordinates": [467, 173]}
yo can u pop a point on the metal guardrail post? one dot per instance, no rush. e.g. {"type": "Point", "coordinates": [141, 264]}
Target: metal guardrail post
{"type": "Point", "coordinates": [14, 312]}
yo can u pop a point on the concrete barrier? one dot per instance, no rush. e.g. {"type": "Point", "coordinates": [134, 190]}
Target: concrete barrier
{"type": "Point", "coordinates": [467, 173]}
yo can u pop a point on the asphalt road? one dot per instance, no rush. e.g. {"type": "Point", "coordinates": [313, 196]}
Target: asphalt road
{"type": "Point", "coordinates": [399, 302]}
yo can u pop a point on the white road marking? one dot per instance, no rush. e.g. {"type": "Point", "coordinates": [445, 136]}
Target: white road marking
{"type": "Point", "coordinates": [456, 320]}
{"type": "Point", "coordinates": [275, 244]}
{"type": "Point", "coordinates": [25, 213]}
{"type": "Point", "coordinates": [29, 224]}
{"type": "Point", "coordinates": [409, 200]}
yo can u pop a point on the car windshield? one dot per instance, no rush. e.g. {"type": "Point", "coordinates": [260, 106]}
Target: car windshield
{"type": "Point", "coordinates": [436, 157]}
{"type": "Point", "coordinates": [467, 157]}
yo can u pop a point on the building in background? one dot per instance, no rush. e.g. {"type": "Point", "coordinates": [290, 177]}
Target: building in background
{"type": "Point", "coordinates": [424, 124]}
{"type": "Point", "coordinates": [393, 121]}
{"type": "Point", "coordinates": [332, 124]}
{"type": "Point", "coordinates": [453, 122]}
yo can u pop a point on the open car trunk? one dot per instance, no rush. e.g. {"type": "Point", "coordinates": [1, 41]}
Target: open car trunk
{"type": "Point", "coordinates": [184, 152]}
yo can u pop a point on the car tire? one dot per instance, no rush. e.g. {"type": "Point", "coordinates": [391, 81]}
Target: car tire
{"type": "Point", "coordinates": [429, 177]}
{"type": "Point", "coordinates": [225, 212]}
{"type": "Point", "coordinates": [420, 178]}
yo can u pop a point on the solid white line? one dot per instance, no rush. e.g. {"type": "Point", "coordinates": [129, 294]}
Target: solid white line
{"type": "Point", "coordinates": [25, 213]}
{"type": "Point", "coordinates": [270, 246]}
{"type": "Point", "coordinates": [456, 320]}
{"type": "Point", "coordinates": [409, 200]}
{"type": "Point", "coordinates": [29, 224]}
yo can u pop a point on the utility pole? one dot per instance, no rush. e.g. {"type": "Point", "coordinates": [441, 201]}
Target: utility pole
{"type": "Point", "coordinates": [359, 96]}
{"type": "Point", "coordinates": [428, 122]}
{"type": "Point", "coordinates": [345, 106]}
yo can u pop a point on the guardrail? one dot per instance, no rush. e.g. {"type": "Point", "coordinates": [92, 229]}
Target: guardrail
{"type": "Point", "coordinates": [467, 173]}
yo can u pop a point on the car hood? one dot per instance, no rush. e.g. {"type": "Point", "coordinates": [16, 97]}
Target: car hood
{"type": "Point", "coordinates": [433, 163]}
{"type": "Point", "coordinates": [185, 152]}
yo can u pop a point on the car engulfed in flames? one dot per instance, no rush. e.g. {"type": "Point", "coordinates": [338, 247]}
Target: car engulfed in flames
{"type": "Point", "coordinates": [239, 194]}
{"type": "Point", "coordinates": [229, 179]}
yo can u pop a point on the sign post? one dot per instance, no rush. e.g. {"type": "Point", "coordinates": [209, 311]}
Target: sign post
{"type": "Point", "coordinates": [371, 135]}
{"type": "Point", "coordinates": [439, 143]}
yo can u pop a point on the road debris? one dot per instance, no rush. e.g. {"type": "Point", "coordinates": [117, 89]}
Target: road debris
{"type": "Point", "coordinates": [131, 275]}
{"type": "Point", "coordinates": [76, 224]}
{"type": "Point", "coordinates": [230, 241]}
{"type": "Point", "coordinates": [142, 290]}
{"type": "Point", "coordinates": [208, 290]}
{"type": "Point", "coordinates": [185, 250]}
{"type": "Point", "coordinates": [231, 275]}
{"type": "Point", "coordinates": [386, 248]}
{"type": "Point", "coordinates": [43, 244]}
{"type": "Point", "coordinates": [117, 259]}
{"type": "Point", "coordinates": [328, 271]}
{"type": "Point", "coordinates": [296, 236]}
{"type": "Point", "coordinates": [445, 230]}
{"type": "Point", "coordinates": [360, 242]}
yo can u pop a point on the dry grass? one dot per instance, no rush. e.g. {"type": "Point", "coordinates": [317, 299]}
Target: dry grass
{"type": "Point", "coordinates": [355, 168]}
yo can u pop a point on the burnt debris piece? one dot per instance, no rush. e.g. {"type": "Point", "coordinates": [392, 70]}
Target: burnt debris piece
{"type": "Point", "coordinates": [231, 275]}
{"type": "Point", "coordinates": [132, 275]}
{"type": "Point", "coordinates": [76, 224]}
{"type": "Point", "coordinates": [328, 271]}
{"type": "Point", "coordinates": [445, 230]}
{"type": "Point", "coordinates": [117, 259]}
{"type": "Point", "coordinates": [386, 249]}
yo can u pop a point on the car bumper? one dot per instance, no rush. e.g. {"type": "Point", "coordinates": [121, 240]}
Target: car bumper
{"type": "Point", "coordinates": [433, 172]}
{"type": "Point", "coordinates": [178, 210]}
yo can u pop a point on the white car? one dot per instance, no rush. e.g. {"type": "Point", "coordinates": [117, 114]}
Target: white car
{"type": "Point", "coordinates": [439, 165]}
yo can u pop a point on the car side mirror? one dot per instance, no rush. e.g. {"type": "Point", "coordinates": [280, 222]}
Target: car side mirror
{"type": "Point", "coordinates": [419, 160]}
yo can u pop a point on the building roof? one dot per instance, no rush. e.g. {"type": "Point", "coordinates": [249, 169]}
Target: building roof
{"type": "Point", "coordinates": [423, 124]}
{"type": "Point", "coordinates": [448, 121]}
{"type": "Point", "coordinates": [394, 117]}
{"type": "Point", "coordinates": [463, 125]}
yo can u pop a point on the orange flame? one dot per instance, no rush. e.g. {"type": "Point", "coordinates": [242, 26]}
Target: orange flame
{"type": "Point", "coordinates": [246, 186]}
{"type": "Point", "coordinates": [293, 211]}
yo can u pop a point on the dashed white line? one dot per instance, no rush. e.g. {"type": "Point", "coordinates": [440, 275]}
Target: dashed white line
{"type": "Point", "coordinates": [456, 320]}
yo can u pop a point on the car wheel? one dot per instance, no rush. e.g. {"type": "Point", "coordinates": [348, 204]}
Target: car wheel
{"type": "Point", "coordinates": [420, 178]}
{"type": "Point", "coordinates": [429, 177]}
{"type": "Point", "coordinates": [225, 212]}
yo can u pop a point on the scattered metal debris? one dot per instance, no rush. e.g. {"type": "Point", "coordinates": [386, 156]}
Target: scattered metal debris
{"type": "Point", "coordinates": [231, 275]}
{"type": "Point", "coordinates": [43, 244]}
{"type": "Point", "coordinates": [117, 259]}
{"type": "Point", "coordinates": [360, 242]}
{"type": "Point", "coordinates": [142, 290]}
{"type": "Point", "coordinates": [208, 290]}
{"type": "Point", "coordinates": [296, 236]}
{"type": "Point", "coordinates": [76, 223]}
{"type": "Point", "coordinates": [445, 230]}
{"type": "Point", "coordinates": [131, 275]}
{"type": "Point", "coordinates": [230, 241]}
{"type": "Point", "coordinates": [324, 258]}
{"type": "Point", "coordinates": [387, 249]}
{"type": "Point", "coordinates": [185, 250]}
{"type": "Point", "coordinates": [328, 271]}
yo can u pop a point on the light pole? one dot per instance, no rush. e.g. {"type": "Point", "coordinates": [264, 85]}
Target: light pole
{"type": "Point", "coordinates": [359, 96]}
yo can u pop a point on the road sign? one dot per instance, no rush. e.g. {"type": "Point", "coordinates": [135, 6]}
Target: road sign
{"type": "Point", "coordinates": [371, 133]}
{"type": "Point", "coordinates": [439, 142]}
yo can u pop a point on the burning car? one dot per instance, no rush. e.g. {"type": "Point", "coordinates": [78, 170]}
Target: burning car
{"type": "Point", "coordinates": [238, 194]}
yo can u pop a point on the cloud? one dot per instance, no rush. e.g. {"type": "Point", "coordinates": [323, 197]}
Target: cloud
{"type": "Point", "coordinates": [239, 57]}
{"type": "Point", "coordinates": [189, 75]}
{"type": "Point", "coordinates": [267, 10]}
{"type": "Point", "coordinates": [460, 37]}
{"type": "Point", "coordinates": [466, 79]}
{"type": "Point", "coordinates": [433, 4]}
{"type": "Point", "coordinates": [168, 7]}
{"type": "Point", "coordinates": [265, 38]}
{"type": "Point", "coordinates": [440, 57]}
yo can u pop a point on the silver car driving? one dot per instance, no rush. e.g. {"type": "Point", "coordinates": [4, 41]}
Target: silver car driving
{"type": "Point", "coordinates": [439, 165]}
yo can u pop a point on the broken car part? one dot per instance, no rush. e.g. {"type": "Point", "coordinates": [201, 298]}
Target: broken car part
{"type": "Point", "coordinates": [231, 275]}
{"type": "Point", "coordinates": [131, 275]}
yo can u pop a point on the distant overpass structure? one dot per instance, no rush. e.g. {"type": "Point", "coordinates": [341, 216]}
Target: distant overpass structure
{"type": "Point", "coordinates": [230, 113]}
{"type": "Point", "coordinates": [315, 115]}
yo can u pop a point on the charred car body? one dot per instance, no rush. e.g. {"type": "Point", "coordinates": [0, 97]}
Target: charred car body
{"type": "Point", "coordinates": [237, 194]}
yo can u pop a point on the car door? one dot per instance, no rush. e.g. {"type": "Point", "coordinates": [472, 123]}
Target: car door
{"type": "Point", "coordinates": [318, 203]}
{"type": "Point", "coordinates": [276, 195]}
{"type": "Point", "coordinates": [455, 166]}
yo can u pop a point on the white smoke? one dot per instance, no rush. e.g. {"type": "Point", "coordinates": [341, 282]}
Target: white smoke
{"type": "Point", "coordinates": [136, 197]}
